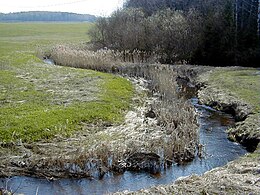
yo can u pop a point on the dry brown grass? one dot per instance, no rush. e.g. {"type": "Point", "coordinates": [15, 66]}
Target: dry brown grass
{"type": "Point", "coordinates": [176, 119]}
{"type": "Point", "coordinates": [104, 60]}
{"type": "Point", "coordinates": [175, 116]}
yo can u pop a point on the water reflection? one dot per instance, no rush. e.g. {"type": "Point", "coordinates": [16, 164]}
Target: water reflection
{"type": "Point", "coordinates": [217, 152]}
{"type": "Point", "coordinates": [48, 61]}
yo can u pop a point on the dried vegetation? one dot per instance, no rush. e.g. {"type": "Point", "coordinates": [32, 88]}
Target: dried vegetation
{"type": "Point", "coordinates": [238, 177]}
{"type": "Point", "coordinates": [160, 129]}
{"type": "Point", "coordinates": [104, 60]}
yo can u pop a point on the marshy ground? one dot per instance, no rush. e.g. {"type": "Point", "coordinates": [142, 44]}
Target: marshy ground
{"type": "Point", "coordinates": [234, 90]}
{"type": "Point", "coordinates": [41, 102]}
{"type": "Point", "coordinates": [66, 122]}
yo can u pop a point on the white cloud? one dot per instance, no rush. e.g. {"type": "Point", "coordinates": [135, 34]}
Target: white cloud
{"type": "Point", "coordinates": [96, 7]}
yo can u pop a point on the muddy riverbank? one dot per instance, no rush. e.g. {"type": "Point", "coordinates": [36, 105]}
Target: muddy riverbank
{"type": "Point", "coordinates": [241, 176]}
{"type": "Point", "coordinates": [247, 115]}
{"type": "Point", "coordinates": [149, 140]}
{"type": "Point", "coordinates": [159, 130]}
{"type": "Point", "coordinates": [212, 136]}
{"type": "Point", "coordinates": [214, 94]}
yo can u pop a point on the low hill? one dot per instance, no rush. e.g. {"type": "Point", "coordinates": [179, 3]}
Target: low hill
{"type": "Point", "coordinates": [46, 17]}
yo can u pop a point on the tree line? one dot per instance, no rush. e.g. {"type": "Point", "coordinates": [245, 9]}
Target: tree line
{"type": "Point", "coordinates": [46, 16]}
{"type": "Point", "coordinates": [212, 32]}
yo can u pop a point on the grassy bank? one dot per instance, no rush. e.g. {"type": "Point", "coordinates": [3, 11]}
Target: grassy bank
{"type": "Point", "coordinates": [39, 101]}
{"type": "Point", "coordinates": [242, 83]}
{"type": "Point", "coordinates": [237, 91]}
{"type": "Point", "coordinates": [175, 116]}
{"type": "Point", "coordinates": [228, 86]}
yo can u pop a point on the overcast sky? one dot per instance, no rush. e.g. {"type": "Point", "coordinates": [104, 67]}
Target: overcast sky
{"type": "Point", "coordinates": [95, 7]}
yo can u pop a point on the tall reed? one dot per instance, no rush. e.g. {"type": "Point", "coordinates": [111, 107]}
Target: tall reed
{"type": "Point", "coordinates": [175, 116]}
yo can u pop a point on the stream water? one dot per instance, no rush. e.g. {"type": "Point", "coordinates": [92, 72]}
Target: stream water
{"type": "Point", "coordinates": [218, 150]}
{"type": "Point", "coordinates": [48, 61]}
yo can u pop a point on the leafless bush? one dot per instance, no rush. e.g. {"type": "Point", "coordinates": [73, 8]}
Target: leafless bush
{"type": "Point", "coordinates": [172, 35]}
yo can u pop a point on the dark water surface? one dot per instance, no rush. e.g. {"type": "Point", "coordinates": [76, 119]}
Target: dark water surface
{"type": "Point", "coordinates": [218, 151]}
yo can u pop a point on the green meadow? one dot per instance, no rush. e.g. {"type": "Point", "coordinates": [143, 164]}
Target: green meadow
{"type": "Point", "coordinates": [40, 101]}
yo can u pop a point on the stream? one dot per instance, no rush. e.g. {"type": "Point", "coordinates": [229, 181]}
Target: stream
{"type": "Point", "coordinates": [218, 151]}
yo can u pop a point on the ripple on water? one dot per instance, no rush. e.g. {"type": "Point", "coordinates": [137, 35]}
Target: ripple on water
{"type": "Point", "coordinates": [218, 151]}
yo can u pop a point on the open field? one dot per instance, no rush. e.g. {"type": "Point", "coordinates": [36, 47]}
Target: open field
{"type": "Point", "coordinates": [40, 101]}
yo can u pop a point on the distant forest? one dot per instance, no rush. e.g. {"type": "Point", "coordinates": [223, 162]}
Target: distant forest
{"type": "Point", "coordinates": [46, 17]}
{"type": "Point", "coordinates": [212, 32]}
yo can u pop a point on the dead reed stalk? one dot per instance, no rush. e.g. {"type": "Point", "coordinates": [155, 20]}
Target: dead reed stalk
{"type": "Point", "coordinates": [176, 116]}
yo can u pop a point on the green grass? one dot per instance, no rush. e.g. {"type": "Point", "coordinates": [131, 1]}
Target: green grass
{"type": "Point", "coordinates": [68, 32]}
{"type": "Point", "coordinates": [39, 101]}
{"type": "Point", "coordinates": [244, 84]}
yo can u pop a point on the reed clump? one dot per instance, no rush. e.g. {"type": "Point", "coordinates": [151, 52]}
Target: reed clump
{"type": "Point", "coordinates": [175, 117]}
{"type": "Point", "coordinates": [104, 60]}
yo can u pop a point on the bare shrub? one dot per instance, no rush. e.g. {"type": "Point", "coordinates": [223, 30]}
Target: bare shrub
{"type": "Point", "coordinates": [172, 35]}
